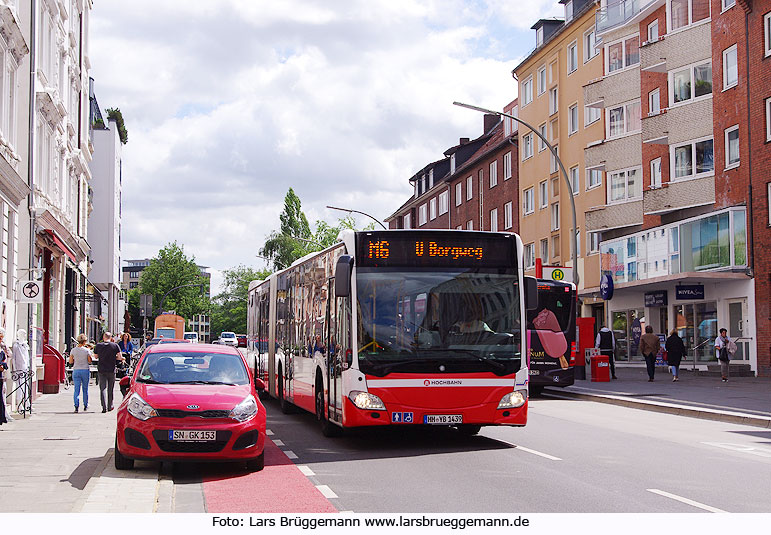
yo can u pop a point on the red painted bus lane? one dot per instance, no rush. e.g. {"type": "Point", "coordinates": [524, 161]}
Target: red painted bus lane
{"type": "Point", "coordinates": [279, 488]}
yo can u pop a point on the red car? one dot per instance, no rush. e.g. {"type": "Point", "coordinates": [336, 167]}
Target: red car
{"type": "Point", "coordinates": [191, 402]}
{"type": "Point", "coordinates": [241, 340]}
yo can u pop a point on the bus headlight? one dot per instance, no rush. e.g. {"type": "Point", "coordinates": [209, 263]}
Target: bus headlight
{"type": "Point", "coordinates": [366, 401]}
{"type": "Point", "coordinates": [139, 408]}
{"type": "Point", "coordinates": [512, 400]}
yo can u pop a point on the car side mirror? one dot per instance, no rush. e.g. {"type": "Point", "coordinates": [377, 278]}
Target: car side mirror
{"type": "Point", "coordinates": [259, 384]}
{"type": "Point", "coordinates": [125, 382]}
{"type": "Point", "coordinates": [531, 293]}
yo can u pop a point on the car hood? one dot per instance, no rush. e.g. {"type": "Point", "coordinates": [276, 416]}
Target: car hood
{"type": "Point", "coordinates": [207, 397]}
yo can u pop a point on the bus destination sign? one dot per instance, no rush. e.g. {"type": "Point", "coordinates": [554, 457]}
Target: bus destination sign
{"type": "Point", "coordinates": [435, 249]}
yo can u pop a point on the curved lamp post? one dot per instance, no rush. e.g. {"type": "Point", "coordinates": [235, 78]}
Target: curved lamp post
{"type": "Point", "coordinates": [358, 212]}
{"type": "Point", "coordinates": [160, 307]}
{"type": "Point", "coordinates": [562, 168]}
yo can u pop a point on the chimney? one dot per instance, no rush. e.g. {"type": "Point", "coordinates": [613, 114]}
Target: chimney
{"type": "Point", "coordinates": [464, 140]}
{"type": "Point", "coordinates": [491, 120]}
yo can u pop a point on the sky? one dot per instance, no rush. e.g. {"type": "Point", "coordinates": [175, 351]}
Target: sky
{"type": "Point", "coordinates": [229, 103]}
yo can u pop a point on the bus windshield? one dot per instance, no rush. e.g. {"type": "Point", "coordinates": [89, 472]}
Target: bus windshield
{"type": "Point", "coordinates": [420, 320]}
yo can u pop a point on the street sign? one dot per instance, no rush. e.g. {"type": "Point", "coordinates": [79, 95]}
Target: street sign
{"type": "Point", "coordinates": [145, 305]}
{"type": "Point", "coordinates": [30, 292]}
{"type": "Point", "coordinates": [559, 274]}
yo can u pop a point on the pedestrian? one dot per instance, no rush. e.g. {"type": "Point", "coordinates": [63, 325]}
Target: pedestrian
{"type": "Point", "coordinates": [724, 349]}
{"type": "Point", "coordinates": [675, 353]}
{"type": "Point", "coordinates": [4, 364]}
{"type": "Point", "coordinates": [649, 347]}
{"type": "Point", "coordinates": [80, 358]}
{"type": "Point", "coordinates": [606, 343]}
{"type": "Point", "coordinates": [125, 344]}
{"type": "Point", "coordinates": [108, 354]}
{"type": "Point", "coordinates": [21, 364]}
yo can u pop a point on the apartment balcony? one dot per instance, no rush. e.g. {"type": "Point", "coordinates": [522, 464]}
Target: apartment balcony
{"type": "Point", "coordinates": [677, 49]}
{"type": "Point", "coordinates": [612, 154]}
{"type": "Point", "coordinates": [614, 216]}
{"type": "Point", "coordinates": [679, 124]}
{"type": "Point", "coordinates": [679, 195]}
{"type": "Point", "coordinates": [613, 89]}
{"type": "Point", "coordinates": [619, 13]}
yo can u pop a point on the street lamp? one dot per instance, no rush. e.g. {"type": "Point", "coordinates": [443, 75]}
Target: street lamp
{"type": "Point", "coordinates": [160, 307]}
{"type": "Point", "coordinates": [358, 212]}
{"type": "Point", "coordinates": [562, 168]}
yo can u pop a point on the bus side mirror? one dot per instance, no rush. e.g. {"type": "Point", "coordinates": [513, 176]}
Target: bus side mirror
{"type": "Point", "coordinates": [531, 293]}
{"type": "Point", "coordinates": [343, 276]}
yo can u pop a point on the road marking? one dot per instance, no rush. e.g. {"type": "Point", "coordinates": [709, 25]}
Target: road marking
{"type": "Point", "coordinates": [269, 432]}
{"type": "Point", "coordinates": [306, 470]}
{"type": "Point", "coordinates": [687, 501]}
{"type": "Point", "coordinates": [741, 448]}
{"type": "Point", "coordinates": [528, 450]}
{"type": "Point", "coordinates": [278, 442]}
{"type": "Point", "coordinates": [326, 491]}
{"type": "Point", "coordinates": [290, 454]}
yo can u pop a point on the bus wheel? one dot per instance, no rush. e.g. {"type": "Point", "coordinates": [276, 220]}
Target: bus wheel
{"type": "Point", "coordinates": [469, 430]}
{"type": "Point", "coordinates": [286, 408]}
{"type": "Point", "coordinates": [328, 429]}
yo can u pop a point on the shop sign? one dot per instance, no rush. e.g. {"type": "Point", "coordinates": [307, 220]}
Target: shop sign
{"type": "Point", "coordinates": [636, 335]}
{"type": "Point", "coordinates": [689, 291]}
{"type": "Point", "coordinates": [656, 299]}
{"type": "Point", "coordinates": [30, 292]}
{"type": "Point", "coordinates": [606, 287]}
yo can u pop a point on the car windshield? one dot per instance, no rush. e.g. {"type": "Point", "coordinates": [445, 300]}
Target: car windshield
{"type": "Point", "coordinates": [228, 335]}
{"type": "Point", "coordinates": [419, 320]}
{"type": "Point", "coordinates": [192, 368]}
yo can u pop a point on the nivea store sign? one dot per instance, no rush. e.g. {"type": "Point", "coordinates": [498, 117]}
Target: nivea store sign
{"type": "Point", "coordinates": [686, 292]}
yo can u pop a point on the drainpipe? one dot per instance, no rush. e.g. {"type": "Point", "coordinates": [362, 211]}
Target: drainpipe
{"type": "Point", "coordinates": [31, 177]}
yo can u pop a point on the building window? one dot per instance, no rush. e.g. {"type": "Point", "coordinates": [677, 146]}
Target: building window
{"type": "Point", "coordinates": [553, 103]}
{"type": "Point", "coordinates": [470, 224]}
{"type": "Point", "coordinates": [572, 57]}
{"type": "Point", "coordinates": [493, 173]}
{"type": "Point", "coordinates": [527, 146]}
{"type": "Point", "coordinates": [555, 216]}
{"type": "Point", "coordinates": [541, 144]}
{"type": "Point", "coordinates": [407, 221]}
{"type": "Point", "coordinates": [555, 129]}
{"type": "Point", "coordinates": [529, 256]}
{"type": "Point", "coordinates": [730, 68]}
{"type": "Point", "coordinates": [623, 119]}
{"type": "Point", "coordinates": [656, 173]}
{"type": "Point", "coordinates": [452, 163]}
{"type": "Point", "coordinates": [577, 241]}
{"type": "Point", "coordinates": [592, 242]}
{"type": "Point", "coordinates": [553, 166]}
{"type": "Point", "coordinates": [539, 37]}
{"type": "Point", "coordinates": [653, 31]}
{"type": "Point", "coordinates": [422, 214]}
{"type": "Point", "coordinates": [555, 186]}
{"type": "Point", "coordinates": [527, 91]}
{"type": "Point", "coordinates": [458, 193]}
{"type": "Point", "coordinates": [555, 246]}
{"type": "Point", "coordinates": [568, 10]}
{"type": "Point", "coordinates": [767, 32]}
{"type": "Point", "coordinates": [625, 185]}
{"type": "Point", "coordinates": [444, 202]}
{"type": "Point", "coordinates": [622, 54]}
{"type": "Point", "coordinates": [508, 215]}
{"type": "Point", "coordinates": [432, 209]}
{"type": "Point", "coordinates": [732, 147]}
{"type": "Point", "coordinates": [528, 202]}
{"type": "Point", "coordinates": [507, 166]}
{"type": "Point", "coordinates": [685, 12]}
{"type": "Point", "coordinates": [691, 82]}
{"type": "Point", "coordinates": [541, 80]}
{"type": "Point", "coordinates": [469, 187]}
{"type": "Point", "coordinates": [574, 180]}
{"type": "Point", "coordinates": [592, 114]}
{"type": "Point", "coordinates": [459, 227]}
{"type": "Point", "coordinates": [545, 251]}
{"type": "Point", "coordinates": [590, 45]}
{"type": "Point", "coordinates": [654, 102]}
{"type": "Point", "coordinates": [543, 190]}
{"type": "Point", "coordinates": [728, 3]}
{"type": "Point", "coordinates": [692, 159]}
{"type": "Point", "coordinates": [494, 220]}
{"type": "Point", "coordinates": [572, 119]}
{"type": "Point", "coordinates": [593, 178]}
{"type": "Point", "coordinates": [430, 178]}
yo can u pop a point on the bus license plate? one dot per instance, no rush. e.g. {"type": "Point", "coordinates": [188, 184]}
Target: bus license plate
{"type": "Point", "coordinates": [192, 436]}
{"type": "Point", "coordinates": [443, 419]}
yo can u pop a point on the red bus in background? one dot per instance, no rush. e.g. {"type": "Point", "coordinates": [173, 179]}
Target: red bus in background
{"type": "Point", "coordinates": [551, 336]}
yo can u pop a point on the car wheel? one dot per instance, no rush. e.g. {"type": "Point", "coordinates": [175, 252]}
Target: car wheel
{"type": "Point", "coordinates": [328, 429]}
{"type": "Point", "coordinates": [469, 430]}
{"type": "Point", "coordinates": [286, 407]}
{"type": "Point", "coordinates": [256, 464]}
{"type": "Point", "coordinates": [121, 462]}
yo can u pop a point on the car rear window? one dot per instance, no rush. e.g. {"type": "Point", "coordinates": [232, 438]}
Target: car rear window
{"type": "Point", "coordinates": [192, 368]}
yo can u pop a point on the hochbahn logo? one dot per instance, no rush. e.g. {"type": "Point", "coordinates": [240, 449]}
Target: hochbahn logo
{"type": "Point", "coordinates": [442, 382]}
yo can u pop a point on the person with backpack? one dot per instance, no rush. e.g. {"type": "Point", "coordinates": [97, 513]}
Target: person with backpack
{"type": "Point", "coordinates": [675, 353]}
{"type": "Point", "coordinates": [606, 343]}
{"type": "Point", "coordinates": [724, 350]}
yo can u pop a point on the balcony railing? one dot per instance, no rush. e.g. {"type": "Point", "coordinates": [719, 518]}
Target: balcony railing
{"type": "Point", "coordinates": [618, 12]}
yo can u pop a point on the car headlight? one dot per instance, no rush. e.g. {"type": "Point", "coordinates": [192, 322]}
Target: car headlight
{"type": "Point", "coordinates": [512, 400]}
{"type": "Point", "coordinates": [366, 401]}
{"type": "Point", "coordinates": [139, 408]}
{"type": "Point", "coordinates": [245, 410]}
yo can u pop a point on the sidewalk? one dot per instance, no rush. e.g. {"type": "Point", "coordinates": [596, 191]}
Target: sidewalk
{"type": "Point", "coordinates": [745, 400]}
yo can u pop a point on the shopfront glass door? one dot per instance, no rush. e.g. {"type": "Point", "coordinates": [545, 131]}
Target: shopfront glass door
{"type": "Point", "coordinates": [737, 322]}
{"type": "Point", "coordinates": [705, 318]}
{"type": "Point", "coordinates": [627, 328]}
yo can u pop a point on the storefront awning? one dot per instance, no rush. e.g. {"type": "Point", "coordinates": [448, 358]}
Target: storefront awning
{"type": "Point", "coordinates": [62, 245]}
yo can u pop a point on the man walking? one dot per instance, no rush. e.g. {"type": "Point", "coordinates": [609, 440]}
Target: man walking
{"type": "Point", "coordinates": [606, 343]}
{"type": "Point", "coordinates": [649, 347]}
{"type": "Point", "coordinates": [108, 353]}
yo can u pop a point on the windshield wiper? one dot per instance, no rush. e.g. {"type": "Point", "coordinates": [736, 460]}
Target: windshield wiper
{"type": "Point", "coordinates": [150, 381]}
{"type": "Point", "coordinates": [199, 382]}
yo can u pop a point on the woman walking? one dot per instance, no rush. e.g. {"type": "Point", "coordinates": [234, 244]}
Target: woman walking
{"type": "Point", "coordinates": [675, 353]}
{"type": "Point", "coordinates": [80, 358]}
{"type": "Point", "coordinates": [5, 360]}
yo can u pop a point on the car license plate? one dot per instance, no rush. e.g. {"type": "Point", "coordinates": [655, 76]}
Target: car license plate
{"type": "Point", "coordinates": [443, 419]}
{"type": "Point", "coordinates": [192, 435]}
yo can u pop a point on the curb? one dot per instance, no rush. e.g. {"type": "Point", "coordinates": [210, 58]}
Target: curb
{"type": "Point", "coordinates": [89, 488]}
{"type": "Point", "coordinates": [668, 408]}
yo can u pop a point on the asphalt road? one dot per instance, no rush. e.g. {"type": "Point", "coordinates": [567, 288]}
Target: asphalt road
{"type": "Point", "coordinates": [573, 456]}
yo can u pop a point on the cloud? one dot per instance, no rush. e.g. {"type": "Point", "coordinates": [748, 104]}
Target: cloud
{"type": "Point", "coordinates": [229, 104]}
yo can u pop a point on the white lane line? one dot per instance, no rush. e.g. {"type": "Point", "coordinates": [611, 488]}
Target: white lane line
{"type": "Point", "coordinates": [278, 442]}
{"type": "Point", "coordinates": [326, 491]}
{"type": "Point", "coordinates": [528, 450]}
{"type": "Point", "coordinates": [741, 448]}
{"type": "Point", "coordinates": [290, 454]}
{"type": "Point", "coordinates": [687, 501]}
{"type": "Point", "coordinates": [269, 432]}
{"type": "Point", "coordinates": [306, 470]}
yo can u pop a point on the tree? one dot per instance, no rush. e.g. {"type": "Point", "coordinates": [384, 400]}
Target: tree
{"type": "Point", "coordinates": [230, 305]}
{"type": "Point", "coordinates": [170, 269]}
{"type": "Point", "coordinates": [282, 247]}
{"type": "Point", "coordinates": [115, 113]}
